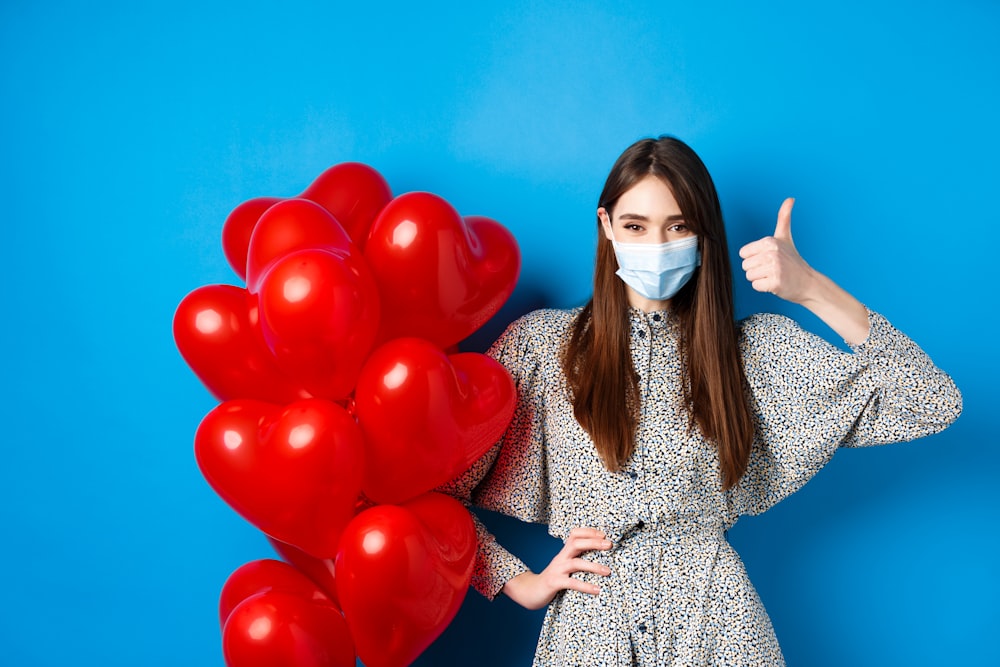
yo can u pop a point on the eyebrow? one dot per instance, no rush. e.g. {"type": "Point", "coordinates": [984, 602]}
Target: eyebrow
{"type": "Point", "coordinates": [643, 218]}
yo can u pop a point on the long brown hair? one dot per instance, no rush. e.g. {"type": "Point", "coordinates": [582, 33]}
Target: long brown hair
{"type": "Point", "coordinates": [597, 362]}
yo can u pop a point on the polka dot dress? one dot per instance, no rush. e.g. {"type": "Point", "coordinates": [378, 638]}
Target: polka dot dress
{"type": "Point", "coordinates": [678, 593]}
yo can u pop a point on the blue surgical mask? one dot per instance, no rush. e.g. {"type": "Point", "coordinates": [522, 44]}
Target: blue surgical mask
{"type": "Point", "coordinates": [657, 271]}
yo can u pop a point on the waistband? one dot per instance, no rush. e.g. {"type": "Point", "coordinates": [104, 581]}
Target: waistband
{"type": "Point", "coordinates": [674, 531]}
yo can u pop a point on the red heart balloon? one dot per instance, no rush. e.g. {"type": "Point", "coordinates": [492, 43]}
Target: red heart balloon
{"type": "Point", "coordinates": [426, 416]}
{"type": "Point", "coordinates": [301, 625]}
{"type": "Point", "coordinates": [277, 629]}
{"type": "Point", "coordinates": [264, 575]}
{"type": "Point", "coordinates": [440, 277]}
{"type": "Point", "coordinates": [216, 331]}
{"type": "Point", "coordinates": [288, 226]}
{"type": "Point", "coordinates": [237, 229]}
{"type": "Point", "coordinates": [294, 471]}
{"type": "Point", "coordinates": [319, 570]}
{"type": "Point", "coordinates": [352, 192]}
{"type": "Point", "coordinates": [319, 315]}
{"type": "Point", "coordinates": [402, 573]}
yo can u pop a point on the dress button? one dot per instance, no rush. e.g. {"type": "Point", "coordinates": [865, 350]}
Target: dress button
{"type": "Point", "coordinates": [641, 333]}
{"type": "Point", "coordinates": [633, 474]}
{"type": "Point", "coordinates": [640, 525]}
{"type": "Point", "coordinates": [656, 317]}
{"type": "Point", "coordinates": [642, 627]}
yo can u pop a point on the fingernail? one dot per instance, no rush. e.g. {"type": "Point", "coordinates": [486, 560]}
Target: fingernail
{"type": "Point", "coordinates": [606, 544]}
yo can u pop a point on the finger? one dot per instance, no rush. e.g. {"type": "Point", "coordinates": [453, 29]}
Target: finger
{"type": "Point", "coordinates": [762, 270]}
{"type": "Point", "coordinates": [754, 262]}
{"type": "Point", "coordinates": [758, 247]}
{"type": "Point", "coordinates": [583, 565]}
{"type": "Point", "coordinates": [577, 545]}
{"type": "Point", "coordinates": [748, 250]}
{"type": "Point", "coordinates": [584, 531]}
{"type": "Point", "coordinates": [581, 586]}
{"type": "Point", "coordinates": [783, 230]}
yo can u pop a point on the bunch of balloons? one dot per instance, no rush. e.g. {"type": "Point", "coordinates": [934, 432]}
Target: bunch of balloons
{"type": "Point", "coordinates": [344, 404]}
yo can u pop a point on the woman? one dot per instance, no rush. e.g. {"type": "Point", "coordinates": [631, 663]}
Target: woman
{"type": "Point", "coordinates": [649, 421]}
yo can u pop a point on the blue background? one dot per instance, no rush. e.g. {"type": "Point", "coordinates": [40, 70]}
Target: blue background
{"type": "Point", "coordinates": [130, 130]}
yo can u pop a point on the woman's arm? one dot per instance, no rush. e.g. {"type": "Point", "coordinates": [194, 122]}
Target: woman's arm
{"type": "Point", "coordinates": [773, 265]}
{"type": "Point", "coordinates": [511, 479]}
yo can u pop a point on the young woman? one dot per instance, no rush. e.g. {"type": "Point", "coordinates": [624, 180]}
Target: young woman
{"type": "Point", "coordinates": [649, 421]}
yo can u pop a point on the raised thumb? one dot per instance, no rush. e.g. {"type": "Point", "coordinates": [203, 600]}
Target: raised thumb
{"type": "Point", "coordinates": [783, 230]}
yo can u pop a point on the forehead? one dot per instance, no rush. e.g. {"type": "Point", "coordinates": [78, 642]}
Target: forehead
{"type": "Point", "coordinates": [650, 197]}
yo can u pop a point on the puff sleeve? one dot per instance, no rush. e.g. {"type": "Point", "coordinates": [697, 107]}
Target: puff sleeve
{"type": "Point", "coordinates": [511, 477]}
{"type": "Point", "coordinates": [809, 398]}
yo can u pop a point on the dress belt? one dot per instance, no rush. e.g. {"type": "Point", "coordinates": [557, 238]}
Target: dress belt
{"type": "Point", "coordinates": [674, 531]}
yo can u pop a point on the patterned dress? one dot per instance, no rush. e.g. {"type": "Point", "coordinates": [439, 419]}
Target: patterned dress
{"type": "Point", "coordinates": [678, 594]}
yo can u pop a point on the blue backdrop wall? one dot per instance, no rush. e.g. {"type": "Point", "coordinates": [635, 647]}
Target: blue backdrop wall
{"type": "Point", "coordinates": [130, 130]}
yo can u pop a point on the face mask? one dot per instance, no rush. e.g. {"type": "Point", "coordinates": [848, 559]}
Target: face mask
{"type": "Point", "coordinates": [657, 271]}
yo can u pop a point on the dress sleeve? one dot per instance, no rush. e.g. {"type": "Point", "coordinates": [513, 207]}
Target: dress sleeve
{"type": "Point", "coordinates": [510, 477]}
{"type": "Point", "coordinates": [494, 566]}
{"type": "Point", "coordinates": [810, 398]}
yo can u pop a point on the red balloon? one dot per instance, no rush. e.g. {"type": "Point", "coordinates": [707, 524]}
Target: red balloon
{"type": "Point", "coordinates": [294, 472]}
{"type": "Point", "coordinates": [440, 277]}
{"type": "Point", "coordinates": [277, 629]}
{"type": "Point", "coordinates": [290, 225]}
{"type": "Point", "coordinates": [264, 575]}
{"type": "Point", "coordinates": [216, 331]}
{"type": "Point", "coordinates": [319, 315]}
{"type": "Point", "coordinates": [402, 573]}
{"type": "Point", "coordinates": [427, 416]}
{"type": "Point", "coordinates": [319, 570]}
{"type": "Point", "coordinates": [237, 229]}
{"type": "Point", "coordinates": [354, 193]}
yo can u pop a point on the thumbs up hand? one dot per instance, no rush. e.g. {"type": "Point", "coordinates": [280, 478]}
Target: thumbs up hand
{"type": "Point", "coordinates": [773, 265]}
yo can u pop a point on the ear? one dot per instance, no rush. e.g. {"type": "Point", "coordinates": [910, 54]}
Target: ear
{"type": "Point", "coordinates": [605, 219]}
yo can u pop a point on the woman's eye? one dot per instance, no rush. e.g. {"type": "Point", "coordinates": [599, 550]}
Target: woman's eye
{"type": "Point", "coordinates": [632, 227]}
